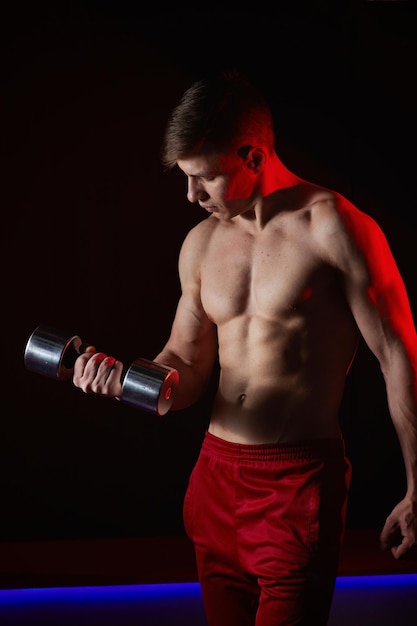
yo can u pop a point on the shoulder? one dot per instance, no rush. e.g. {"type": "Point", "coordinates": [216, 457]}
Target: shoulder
{"type": "Point", "coordinates": [343, 233]}
{"type": "Point", "coordinates": [332, 214]}
{"type": "Point", "coordinates": [198, 237]}
{"type": "Point", "coordinates": [195, 245]}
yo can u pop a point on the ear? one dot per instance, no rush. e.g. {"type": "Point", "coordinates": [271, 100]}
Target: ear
{"type": "Point", "coordinates": [256, 159]}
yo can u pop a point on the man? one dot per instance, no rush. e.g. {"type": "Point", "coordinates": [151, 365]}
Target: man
{"type": "Point", "coordinates": [278, 283]}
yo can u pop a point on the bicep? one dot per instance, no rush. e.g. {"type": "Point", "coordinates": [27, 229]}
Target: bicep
{"type": "Point", "coordinates": [193, 337]}
{"type": "Point", "coordinates": [192, 343]}
{"type": "Point", "coordinates": [356, 246]}
{"type": "Point", "coordinates": [191, 349]}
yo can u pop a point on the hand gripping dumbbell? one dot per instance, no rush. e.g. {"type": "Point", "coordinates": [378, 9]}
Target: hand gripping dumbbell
{"type": "Point", "coordinates": [145, 384]}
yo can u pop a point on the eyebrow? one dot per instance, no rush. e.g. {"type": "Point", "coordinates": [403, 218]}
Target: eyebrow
{"type": "Point", "coordinates": [203, 174]}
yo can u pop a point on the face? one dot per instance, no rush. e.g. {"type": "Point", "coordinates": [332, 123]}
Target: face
{"type": "Point", "coordinates": [224, 185]}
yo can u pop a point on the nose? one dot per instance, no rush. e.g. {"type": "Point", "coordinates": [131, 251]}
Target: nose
{"type": "Point", "coordinates": [195, 191]}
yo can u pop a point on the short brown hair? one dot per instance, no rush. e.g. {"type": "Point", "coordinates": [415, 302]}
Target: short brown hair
{"type": "Point", "coordinates": [215, 114]}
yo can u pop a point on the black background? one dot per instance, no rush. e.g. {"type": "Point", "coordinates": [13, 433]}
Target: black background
{"type": "Point", "coordinates": [92, 227]}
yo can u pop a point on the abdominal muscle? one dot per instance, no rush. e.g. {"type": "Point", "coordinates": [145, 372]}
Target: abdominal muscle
{"type": "Point", "coordinates": [279, 383]}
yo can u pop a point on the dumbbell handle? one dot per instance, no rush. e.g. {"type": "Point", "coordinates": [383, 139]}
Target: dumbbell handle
{"type": "Point", "coordinates": [145, 384]}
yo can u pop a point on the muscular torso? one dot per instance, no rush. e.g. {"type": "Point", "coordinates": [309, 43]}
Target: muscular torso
{"type": "Point", "coordinates": [285, 332]}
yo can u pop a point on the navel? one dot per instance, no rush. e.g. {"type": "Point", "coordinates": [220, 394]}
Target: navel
{"type": "Point", "coordinates": [242, 398]}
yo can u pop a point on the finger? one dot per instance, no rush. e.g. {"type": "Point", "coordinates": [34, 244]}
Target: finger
{"type": "Point", "coordinates": [113, 385]}
{"type": "Point", "coordinates": [93, 361]}
{"type": "Point", "coordinates": [107, 379]}
{"type": "Point", "coordinates": [401, 550]}
{"type": "Point", "coordinates": [86, 347]}
{"type": "Point", "coordinates": [85, 369]}
{"type": "Point", "coordinates": [97, 373]}
{"type": "Point", "coordinates": [391, 540]}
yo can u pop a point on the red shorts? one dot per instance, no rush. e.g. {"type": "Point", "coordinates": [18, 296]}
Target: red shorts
{"type": "Point", "coordinates": [267, 522]}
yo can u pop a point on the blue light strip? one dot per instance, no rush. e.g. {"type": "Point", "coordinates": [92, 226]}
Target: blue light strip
{"type": "Point", "coordinates": [377, 580]}
{"type": "Point", "coordinates": [99, 594]}
{"type": "Point", "coordinates": [150, 592]}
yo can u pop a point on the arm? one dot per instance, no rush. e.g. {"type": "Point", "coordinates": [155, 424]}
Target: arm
{"type": "Point", "coordinates": [191, 348]}
{"type": "Point", "coordinates": [378, 300]}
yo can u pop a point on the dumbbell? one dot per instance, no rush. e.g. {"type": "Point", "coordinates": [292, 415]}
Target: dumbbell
{"type": "Point", "coordinates": [145, 384]}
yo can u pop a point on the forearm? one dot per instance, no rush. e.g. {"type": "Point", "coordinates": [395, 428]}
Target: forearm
{"type": "Point", "coordinates": [405, 426]}
{"type": "Point", "coordinates": [402, 403]}
{"type": "Point", "coordinates": [399, 533]}
{"type": "Point", "coordinates": [193, 379]}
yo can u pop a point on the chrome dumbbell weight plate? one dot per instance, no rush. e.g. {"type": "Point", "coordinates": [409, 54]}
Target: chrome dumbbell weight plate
{"type": "Point", "coordinates": [146, 385]}
{"type": "Point", "coordinates": [153, 383]}
{"type": "Point", "coordinates": [52, 353]}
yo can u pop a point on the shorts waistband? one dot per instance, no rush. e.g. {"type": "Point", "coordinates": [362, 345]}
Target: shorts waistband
{"type": "Point", "coordinates": [302, 450]}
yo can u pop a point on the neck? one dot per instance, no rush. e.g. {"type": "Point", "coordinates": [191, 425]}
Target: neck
{"type": "Point", "coordinates": [277, 187]}
{"type": "Point", "coordinates": [277, 176]}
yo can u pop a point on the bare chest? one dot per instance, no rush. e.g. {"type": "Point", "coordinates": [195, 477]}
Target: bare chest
{"type": "Point", "coordinates": [270, 277]}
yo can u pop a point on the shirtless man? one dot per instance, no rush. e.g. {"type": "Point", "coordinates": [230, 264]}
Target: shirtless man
{"type": "Point", "coordinates": [279, 283]}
